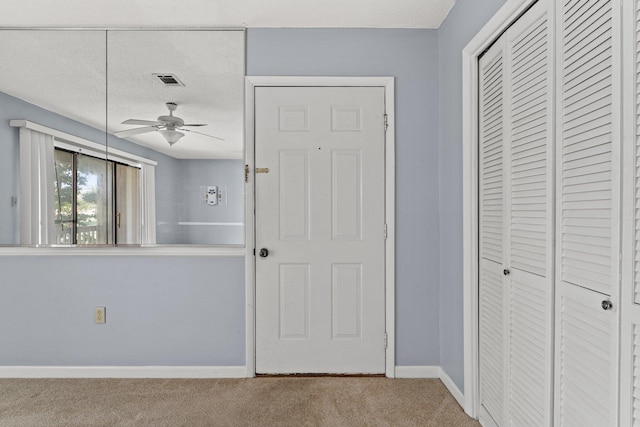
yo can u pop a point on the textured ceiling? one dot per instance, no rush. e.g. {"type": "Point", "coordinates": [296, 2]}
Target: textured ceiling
{"type": "Point", "coordinates": [227, 13]}
{"type": "Point", "coordinates": [71, 73]}
{"type": "Point", "coordinates": [65, 72]}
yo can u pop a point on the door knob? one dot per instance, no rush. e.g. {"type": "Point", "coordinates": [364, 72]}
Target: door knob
{"type": "Point", "coordinates": [264, 252]}
{"type": "Point", "coordinates": [607, 305]}
{"type": "Point", "coordinates": [506, 272]}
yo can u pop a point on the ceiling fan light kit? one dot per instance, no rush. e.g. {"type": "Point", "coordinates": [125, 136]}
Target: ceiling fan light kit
{"type": "Point", "coordinates": [168, 126]}
{"type": "Point", "coordinates": [172, 136]}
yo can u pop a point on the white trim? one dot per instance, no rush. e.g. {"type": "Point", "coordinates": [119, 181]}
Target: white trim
{"type": "Point", "coordinates": [452, 387]}
{"type": "Point", "coordinates": [250, 230]}
{"type": "Point", "coordinates": [388, 83]}
{"type": "Point", "coordinates": [122, 372]}
{"type": "Point", "coordinates": [212, 223]}
{"type": "Point", "coordinates": [629, 311]}
{"type": "Point", "coordinates": [431, 372]}
{"type": "Point", "coordinates": [418, 371]}
{"type": "Point", "coordinates": [490, 32]}
{"type": "Point", "coordinates": [94, 147]}
{"type": "Point", "coordinates": [188, 251]}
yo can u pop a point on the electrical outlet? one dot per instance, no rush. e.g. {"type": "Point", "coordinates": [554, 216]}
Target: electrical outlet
{"type": "Point", "coordinates": [101, 315]}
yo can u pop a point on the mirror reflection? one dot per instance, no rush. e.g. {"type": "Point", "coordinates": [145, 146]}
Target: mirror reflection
{"type": "Point", "coordinates": [122, 137]}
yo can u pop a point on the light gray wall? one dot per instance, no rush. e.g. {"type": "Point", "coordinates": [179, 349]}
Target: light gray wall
{"type": "Point", "coordinates": [411, 56]}
{"type": "Point", "coordinates": [160, 311]}
{"type": "Point", "coordinates": [465, 19]}
{"type": "Point", "coordinates": [228, 175]}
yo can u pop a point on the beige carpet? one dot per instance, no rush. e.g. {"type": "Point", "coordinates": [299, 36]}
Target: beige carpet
{"type": "Point", "coordinates": [285, 401]}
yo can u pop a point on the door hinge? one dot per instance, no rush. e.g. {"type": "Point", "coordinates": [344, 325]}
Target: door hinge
{"type": "Point", "coordinates": [386, 340]}
{"type": "Point", "coordinates": [246, 173]}
{"type": "Point", "coordinates": [386, 121]}
{"type": "Point", "coordinates": [385, 232]}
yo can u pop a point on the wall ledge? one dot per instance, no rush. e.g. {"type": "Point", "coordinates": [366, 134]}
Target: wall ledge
{"type": "Point", "coordinates": [123, 372]}
{"type": "Point", "coordinates": [152, 251]}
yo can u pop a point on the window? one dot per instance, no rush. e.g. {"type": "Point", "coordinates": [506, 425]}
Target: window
{"type": "Point", "coordinates": [75, 192]}
{"type": "Point", "coordinates": [96, 201]}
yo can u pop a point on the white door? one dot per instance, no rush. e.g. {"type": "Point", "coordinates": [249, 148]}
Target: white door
{"type": "Point", "coordinates": [516, 227]}
{"type": "Point", "coordinates": [320, 290]}
{"type": "Point", "coordinates": [492, 309]}
{"type": "Point", "coordinates": [588, 211]}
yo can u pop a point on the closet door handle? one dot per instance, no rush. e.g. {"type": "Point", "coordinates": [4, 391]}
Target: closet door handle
{"type": "Point", "coordinates": [607, 305]}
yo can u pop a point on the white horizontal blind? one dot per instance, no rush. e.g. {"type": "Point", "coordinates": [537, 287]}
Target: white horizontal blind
{"type": "Point", "coordinates": [586, 158]}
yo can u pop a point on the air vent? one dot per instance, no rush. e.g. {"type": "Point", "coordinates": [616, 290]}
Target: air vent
{"type": "Point", "coordinates": [169, 79]}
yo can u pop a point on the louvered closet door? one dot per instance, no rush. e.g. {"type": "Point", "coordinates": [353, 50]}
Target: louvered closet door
{"type": "Point", "coordinates": [630, 292]}
{"type": "Point", "coordinates": [530, 201]}
{"type": "Point", "coordinates": [587, 215]}
{"type": "Point", "coordinates": [492, 282]}
{"type": "Point", "coordinates": [516, 276]}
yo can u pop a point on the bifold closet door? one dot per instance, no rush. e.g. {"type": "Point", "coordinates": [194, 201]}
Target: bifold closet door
{"type": "Point", "coordinates": [588, 210]}
{"type": "Point", "coordinates": [516, 228]}
{"type": "Point", "coordinates": [530, 145]}
{"type": "Point", "coordinates": [492, 295]}
{"type": "Point", "coordinates": [630, 291]}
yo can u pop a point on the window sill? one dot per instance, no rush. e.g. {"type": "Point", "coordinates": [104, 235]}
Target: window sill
{"type": "Point", "coordinates": [160, 250]}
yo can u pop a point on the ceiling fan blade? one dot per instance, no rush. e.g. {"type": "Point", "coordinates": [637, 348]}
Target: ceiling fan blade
{"type": "Point", "coordinates": [136, 131]}
{"type": "Point", "coordinates": [141, 122]}
{"type": "Point", "coordinates": [204, 134]}
{"type": "Point", "coordinates": [195, 124]}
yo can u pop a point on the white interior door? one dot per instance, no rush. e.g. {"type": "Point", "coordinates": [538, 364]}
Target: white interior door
{"type": "Point", "coordinates": [492, 309]}
{"type": "Point", "coordinates": [530, 145]}
{"type": "Point", "coordinates": [320, 289]}
{"type": "Point", "coordinates": [516, 226]}
{"type": "Point", "coordinates": [588, 214]}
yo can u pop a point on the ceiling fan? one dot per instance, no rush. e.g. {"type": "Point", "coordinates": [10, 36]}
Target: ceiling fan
{"type": "Point", "coordinates": [169, 126]}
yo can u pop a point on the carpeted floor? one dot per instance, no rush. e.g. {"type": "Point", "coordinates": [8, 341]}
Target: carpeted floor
{"type": "Point", "coordinates": [271, 401]}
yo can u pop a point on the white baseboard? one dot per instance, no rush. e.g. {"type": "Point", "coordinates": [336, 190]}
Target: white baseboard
{"type": "Point", "coordinates": [417, 371]}
{"type": "Point", "coordinates": [123, 372]}
{"type": "Point", "coordinates": [452, 387]}
{"type": "Point", "coordinates": [431, 372]}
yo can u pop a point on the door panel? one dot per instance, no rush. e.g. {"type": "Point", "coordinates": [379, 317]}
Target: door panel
{"type": "Point", "coordinates": [320, 296]}
{"type": "Point", "coordinates": [586, 194]}
{"type": "Point", "coordinates": [529, 73]}
{"type": "Point", "coordinates": [586, 348]}
{"type": "Point", "coordinates": [492, 283]}
{"type": "Point", "coordinates": [588, 214]}
{"type": "Point", "coordinates": [516, 225]}
{"type": "Point", "coordinates": [492, 340]}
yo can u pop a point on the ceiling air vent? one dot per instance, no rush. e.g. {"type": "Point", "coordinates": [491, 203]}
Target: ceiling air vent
{"type": "Point", "coordinates": [169, 79]}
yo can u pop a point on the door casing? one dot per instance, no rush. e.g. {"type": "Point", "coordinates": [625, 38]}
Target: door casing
{"type": "Point", "coordinates": [251, 83]}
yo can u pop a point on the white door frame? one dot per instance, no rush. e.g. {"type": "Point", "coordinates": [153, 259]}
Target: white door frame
{"type": "Point", "coordinates": [250, 280]}
{"type": "Point", "coordinates": [507, 14]}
